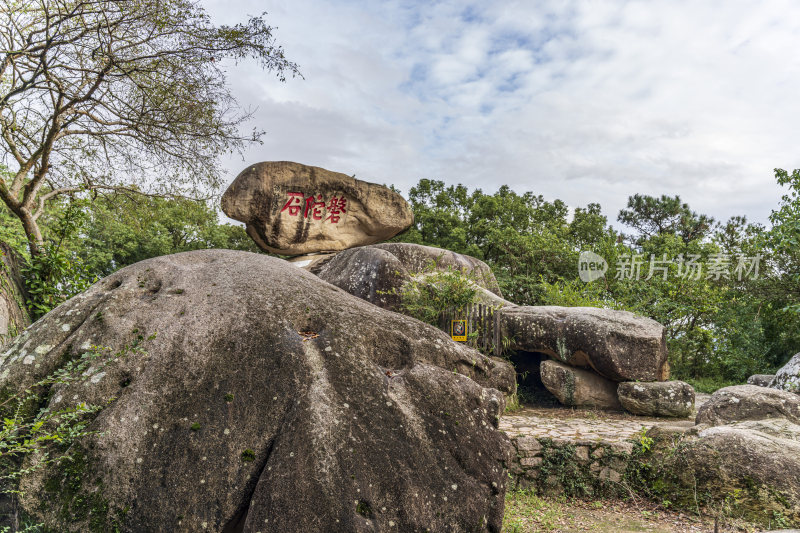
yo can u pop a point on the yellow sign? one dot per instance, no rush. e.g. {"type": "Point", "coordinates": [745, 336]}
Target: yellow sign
{"type": "Point", "coordinates": [458, 330]}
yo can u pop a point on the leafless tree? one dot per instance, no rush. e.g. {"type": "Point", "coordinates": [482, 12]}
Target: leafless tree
{"type": "Point", "coordinates": [110, 95]}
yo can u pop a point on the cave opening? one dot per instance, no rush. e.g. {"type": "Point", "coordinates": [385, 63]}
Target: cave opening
{"type": "Point", "coordinates": [530, 389]}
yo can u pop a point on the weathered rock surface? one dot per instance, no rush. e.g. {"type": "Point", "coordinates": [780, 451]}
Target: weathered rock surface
{"type": "Point", "coordinates": [618, 345]}
{"type": "Point", "coordinates": [746, 443]}
{"type": "Point", "coordinates": [294, 209]}
{"type": "Point", "coordinates": [580, 388]}
{"type": "Point", "coordinates": [760, 380]}
{"type": "Point", "coordinates": [759, 461]}
{"type": "Point", "coordinates": [13, 314]}
{"type": "Point", "coordinates": [269, 401]}
{"type": "Point", "coordinates": [788, 377]}
{"type": "Point", "coordinates": [748, 402]}
{"type": "Point", "coordinates": [374, 273]}
{"type": "Point", "coordinates": [658, 398]}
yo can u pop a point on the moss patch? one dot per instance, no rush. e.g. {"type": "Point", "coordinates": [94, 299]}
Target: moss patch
{"type": "Point", "coordinates": [75, 501]}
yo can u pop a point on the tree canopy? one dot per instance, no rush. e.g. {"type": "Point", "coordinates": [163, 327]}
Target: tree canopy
{"type": "Point", "coordinates": [720, 328]}
{"type": "Point", "coordinates": [105, 95]}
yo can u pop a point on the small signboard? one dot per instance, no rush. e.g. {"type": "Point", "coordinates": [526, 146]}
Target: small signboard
{"type": "Point", "coordinates": [458, 330]}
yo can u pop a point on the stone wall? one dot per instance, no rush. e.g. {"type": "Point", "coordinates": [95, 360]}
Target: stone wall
{"type": "Point", "coordinates": [573, 468]}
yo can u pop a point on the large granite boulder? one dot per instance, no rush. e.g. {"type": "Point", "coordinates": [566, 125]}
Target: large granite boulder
{"type": "Point", "coordinates": [13, 313]}
{"type": "Point", "coordinates": [618, 345]}
{"type": "Point", "coordinates": [294, 209]}
{"type": "Point", "coordinates": [761, 380]}
{"type": "Point", "coordinates": [749, 402]}
{"type": "Point", "coordinates": [744, 451]}
{"type": "Point", "coordinates": [268, 401]}
{"type": "Point", "coordinates": [756, 461]}
{"type": "Point", "coordinates": [788, 377]}
{"type": "Point", "coordinates": [375, 273]}
{"type": "Point", "coordinates": [579, 388]}
{"type": "Point", "coordinates": [658, 398]}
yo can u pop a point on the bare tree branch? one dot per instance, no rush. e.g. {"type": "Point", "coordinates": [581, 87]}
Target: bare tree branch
{"type": "Point", "coordinates": [123, 95]}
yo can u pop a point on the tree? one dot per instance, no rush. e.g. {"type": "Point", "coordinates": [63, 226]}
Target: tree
{"type": "Point", "coordinates": [87, 239]}
{"type": "Point", "coordinates": [122, 229]}
{"type": "Point", "coordinates": [784, 236]}
{"type": "Point", "coordinates": [101, 95]}
{"type": "Point", "coordinates": [652, 216]}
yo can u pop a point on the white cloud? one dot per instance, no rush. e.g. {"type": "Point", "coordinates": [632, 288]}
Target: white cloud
{"type": "Point", "coordinates": [589, 101]}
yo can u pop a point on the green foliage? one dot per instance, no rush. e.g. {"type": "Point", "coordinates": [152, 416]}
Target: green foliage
{"type": "Point", "coordinates": [710, 384]}
{"type": "Point", "coordinates": [524, 238]}
{"type": "Point", "coordinates": [89, 238]}
{"type": "Point", "coordinates": [35, 434]}
{"type": "Point", "coordinates": [248, 456]}
{"type": "Point", "coordinates": [666, 215]}
{"type": "Point", "coordinates": [645, 442]}
{"type": "Point", "coordinates": [784, 238]}
{"type": "Point", "coordinates": [718, 330]}
{"type": "Point", "coordinates": [56, 274]}
{"type": "Point", "coordinates": [120, 230]}
{"type": "Point", "coordinates": [432, 291]}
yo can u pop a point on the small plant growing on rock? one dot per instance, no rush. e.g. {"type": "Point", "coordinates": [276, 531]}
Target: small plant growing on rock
{"type": "Point", "coordinates": [431, 291]}
{"type": "Point", "coordinates": [645, 442]}
{"type": "Point", "coordinates": [248, 456]}
{"type": "Point", "coordinates": [33, 428]}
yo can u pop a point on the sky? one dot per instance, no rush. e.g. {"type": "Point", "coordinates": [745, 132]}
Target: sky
{"type": "Point", "coordinates": [588, 101]}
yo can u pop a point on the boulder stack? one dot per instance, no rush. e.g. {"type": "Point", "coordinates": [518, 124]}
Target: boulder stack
{"type": "Point", "coordinates": [618, 345]}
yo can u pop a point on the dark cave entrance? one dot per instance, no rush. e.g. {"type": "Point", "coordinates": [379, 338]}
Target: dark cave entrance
{"type": "Point", "coordinates": [530, 390]}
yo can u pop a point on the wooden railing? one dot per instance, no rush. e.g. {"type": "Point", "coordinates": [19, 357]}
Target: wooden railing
{"type": "Point", "coordinates": [483, 326]}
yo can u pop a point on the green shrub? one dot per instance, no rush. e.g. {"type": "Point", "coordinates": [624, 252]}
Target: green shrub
{"type": "Point", "coordinates": [432, 291]}
{"type": "Point", "coordinates": [31, 428]}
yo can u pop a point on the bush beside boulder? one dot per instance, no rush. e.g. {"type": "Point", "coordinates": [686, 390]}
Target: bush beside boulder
{"type": "Point", "coordinates": [377, 273]}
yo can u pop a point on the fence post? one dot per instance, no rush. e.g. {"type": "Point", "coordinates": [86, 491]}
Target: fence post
{"type": "Point", "coordinates": [498, 350]}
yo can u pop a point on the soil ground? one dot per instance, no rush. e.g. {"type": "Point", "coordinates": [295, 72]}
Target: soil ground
{"type": "Point", "coordinates": [527, 513]}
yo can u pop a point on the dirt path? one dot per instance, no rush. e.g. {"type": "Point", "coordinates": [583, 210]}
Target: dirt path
{"type": "Point", "coordinates": [527, 513]}
{"type": "Point", "coordinates": [574, 424]}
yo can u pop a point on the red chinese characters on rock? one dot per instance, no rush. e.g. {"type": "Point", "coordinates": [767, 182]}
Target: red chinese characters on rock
{"type": "Point", "coordinates": [315, 206]}
{"type": "Point", "coordinates": [335, 209]}
{"type": "Point", "coordinates": [294, 208]}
